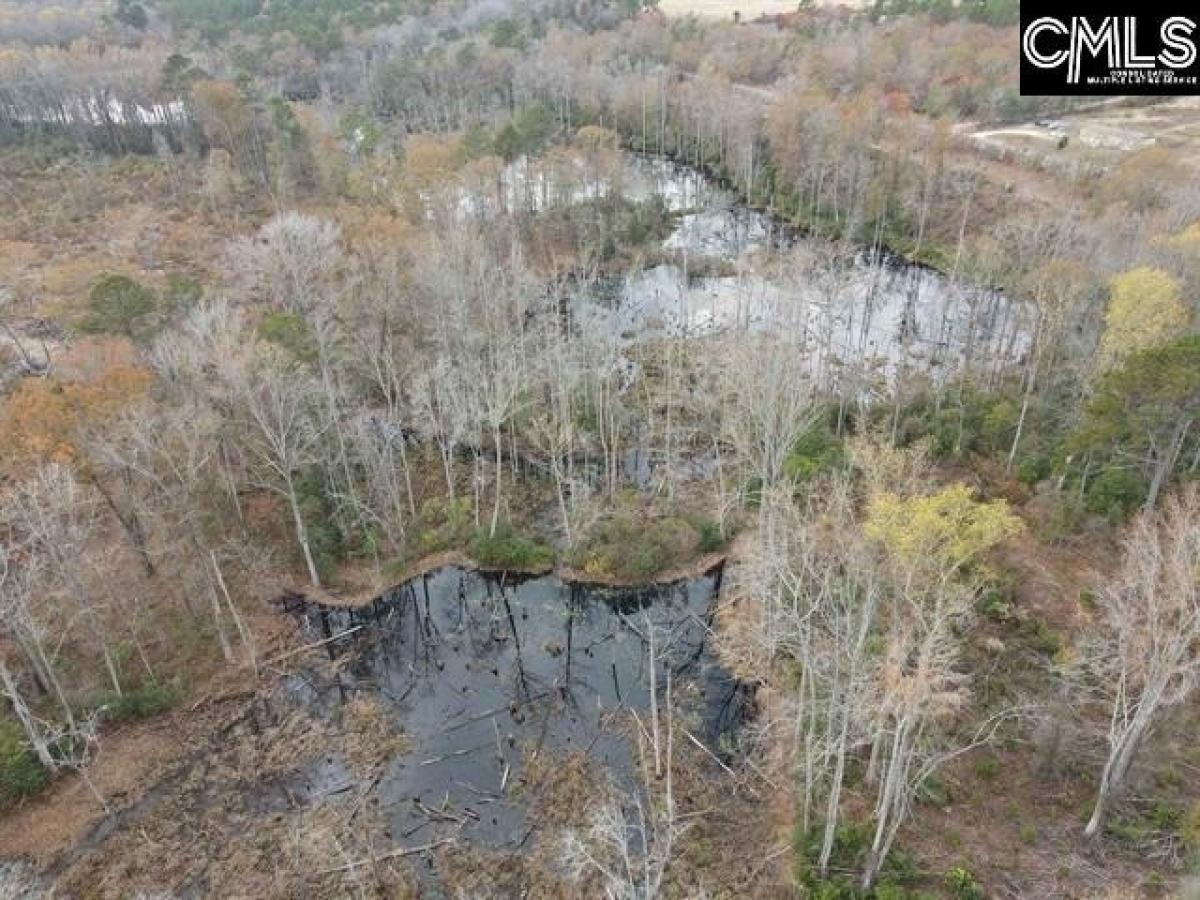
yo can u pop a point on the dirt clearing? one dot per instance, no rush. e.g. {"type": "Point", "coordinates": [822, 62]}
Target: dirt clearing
{"type": "Point", "coordinates": [747, 9]}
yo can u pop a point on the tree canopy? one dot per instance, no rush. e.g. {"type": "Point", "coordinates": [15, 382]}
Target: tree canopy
{"type": "Point", "coordinates": [1145, 308]}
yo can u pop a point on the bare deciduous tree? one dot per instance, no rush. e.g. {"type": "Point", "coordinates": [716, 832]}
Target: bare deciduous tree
{"type": "Point", "coordinates": [1150, 658]}
{"type": "Point", "coordinates": [282, 436]}
{"type": "Point", "coordinates": [290, 260]}
{"type": "Point", "coordinates": [829, 590]}
{"type": "Point", "coordinates": [58, 518]}
{"type": "Point", "coordinates": [630, 841]}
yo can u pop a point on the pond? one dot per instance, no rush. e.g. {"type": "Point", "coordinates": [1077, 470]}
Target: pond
{"type": "Point", "coordinates": [725, 266]}
{"type": "Point", "coordinates": [486, 675]}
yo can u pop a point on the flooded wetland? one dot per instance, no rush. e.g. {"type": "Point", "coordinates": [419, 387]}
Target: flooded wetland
{"type": "Point", "coordinates": [455, 734]}
{"type": "Point", "coordinates": [490, 681]}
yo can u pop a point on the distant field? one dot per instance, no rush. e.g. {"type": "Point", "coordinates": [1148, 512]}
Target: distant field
{"type": "Point", "coordinates": [1102, 135]}
{"type": "Point", "coordinates": [750, 9]}
{"type": "Point", "coordinates": [724, 9]}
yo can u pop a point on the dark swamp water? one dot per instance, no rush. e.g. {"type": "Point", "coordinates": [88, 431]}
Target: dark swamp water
{"type": "Point", "coordinates": [482, 674]}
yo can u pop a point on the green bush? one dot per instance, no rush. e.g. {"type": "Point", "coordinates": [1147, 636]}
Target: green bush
{"type": "Point", "coordinates": [1115, 493]}
{"type": "Point", "coordinates": [442, 524]}
{"type": "Point", "coordinates": [817, 451]}
{"type": "Point", "coordinates": [935, 792]}
{"type": "Point", "coordinates": [142, 701]}
{"type": "Point", "coordinates": [1166, 816]}
{"type": "Point", "coordinates": [851, 843]}
{"type": "Point", "coordinates": [604, 229]}
{"type": "Point", "coordinates": [626, 547]}
{"type": "Point", "coordinates": [1141, 827]}
{"type": "Point", "coordinates": [507, 549]}
{"type": "Point", "coordinates": [1042, 636]}
{"type": "Point", "coordinates": [1032, 469]}
{"type": "Point", "coordinates": [962, 884]}
{"type": "Point", "coordinates": [21, 775]}
{"type": "Point", "coordinates": [1066, 517]}
{"type": "Point", "coordinates": [507, 33]}
{"type": "Point", "coordinates": [958, 426]}
{"type": "Point", "coordinates": [119, 305]}
{"type": "Point", "coordinates": [1135, 412]}
{"type": "Point", "coordinates": [326, 541]}
{"type": "Point", "coordinates": [289, 331]}
{"type": "Point", "coordinates": [987, 768]}
{"type": "Point", "coordinates": [984, 423]}
{"type": "Point", "coordinates": [647, 559]}
{"type": "Point", "coordinates": [999, 597]}
{"type": "Point", "coordinates": [711, 538]}
{"type": "Point", "coordinates": [752, 490]}
{"type": "Point", "coordinates": [527, 133]}
{"type": "Point", "coordinates": [999, 425]}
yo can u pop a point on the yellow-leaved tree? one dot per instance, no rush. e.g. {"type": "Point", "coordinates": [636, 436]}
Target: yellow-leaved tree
{"type": "Point", "coordinates": [928, 543]}
{"type": "Point", "coordinates": [943, 531]}
{"type": "Point", "coordinates": [1145, 309]}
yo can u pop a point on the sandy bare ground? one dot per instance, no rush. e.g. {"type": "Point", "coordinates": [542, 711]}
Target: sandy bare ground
{"type": "Point", "coordinates": [724, 9]}
{"type": "Point", "coordinates": [749, 9]}
{"type": "Point", "coordinates": [1101, 135]}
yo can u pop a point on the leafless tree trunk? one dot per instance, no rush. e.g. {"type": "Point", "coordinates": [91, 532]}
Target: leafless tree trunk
{"type": "Point", "coordinates": [1151, 657]}
{"type": "Point", "coordinates": [33, 731]}
{"type": "Point", "coordinates": [282, 437]}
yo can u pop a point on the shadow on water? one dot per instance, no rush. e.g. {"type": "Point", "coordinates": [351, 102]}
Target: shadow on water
{"type": "Point", "coordinates": [483, 674]}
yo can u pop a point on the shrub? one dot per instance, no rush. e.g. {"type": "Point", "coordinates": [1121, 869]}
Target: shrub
{"type": "Point", "coordinates": [752, 491]}
{"type": "Point", "coordinates": [936, 792]}
{"type": "Point", "coordinates": [850, 846]}
{"type": "Point", "coordinates": [1115, 493]}
{"type": "Point", "coordinates": [289, 331]}
{"type": "Point", "coordinates": [527, 133]}
{"type": "Point", "coordinates": [816, 451]}
{"type": "Point", "coordinates": [1139, 828]}
{"type": "Point", "coordinates": [999, 425]}
{"type": "Point", "coordinates": [119, 305]}
{"type": "Point", "coordinates": [606, 229]}
{"type": "Point", "coordinates": [625, 547]}
{"type": "Point", "coordinates": [21, 775]}
{"type": "Point", "coordinates": [711, 538]}
{"type": "Point", "coordinates": [326, 541]}
{"type": "Point", "coordinates": [1042, 636]}
{"type": "Point", "coordinates": [1032, 469]}
{"type": "Point", "coordinates": [1066, 517]}
{"type": "Point", "coordinates": [950, 428]}
{"type": "Point", "coordinates": [999, 597]}
{"type": "Point", "coordinates": [987, 768]}
{"type": "Point", "coordinates": [142, 701]}
{"type": "Point", "coordinates": [507, 549]}
{"type": "Point", "coordinates": [962, 884]}
{"type": "Point", "coordinates": [442, 524]}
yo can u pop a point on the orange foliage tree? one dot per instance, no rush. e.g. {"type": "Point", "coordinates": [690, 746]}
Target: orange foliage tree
{"type": "Point", "coordinates": [41, 419]}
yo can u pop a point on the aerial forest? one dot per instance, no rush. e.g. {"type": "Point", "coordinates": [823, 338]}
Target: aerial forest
{"type": "Point", "coordinates": [573, 448]}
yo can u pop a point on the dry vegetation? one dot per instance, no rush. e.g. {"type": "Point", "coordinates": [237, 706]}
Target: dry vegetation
{"type": "Point", "coordinates": [305, 331]}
